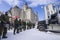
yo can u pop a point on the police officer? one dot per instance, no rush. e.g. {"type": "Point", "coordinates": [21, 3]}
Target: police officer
{"type": "Point", "coordinates": [5, 24]}
{"type": "Point", "coordinates": [20, 25]}
{"type": "Point", "coordinates": [1, 26]}
{"type": "Point", "coordinates": [16, 25]}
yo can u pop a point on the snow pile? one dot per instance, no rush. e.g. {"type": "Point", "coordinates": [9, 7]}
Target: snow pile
{"type": "Point", "coordinates": [50, 32]}
{"type": "Point", "coordinates": [32, 34]}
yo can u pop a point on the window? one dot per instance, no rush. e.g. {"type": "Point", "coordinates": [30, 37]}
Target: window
{"type": "Point", "coordinates": [52, 12]}
{"type": "Point", "coordinates": [53, 7]}
{"type": "Point", "coordinates": [59, 11]}
{"type": "Point", "coordinates": [47, 8]}
{"type": "Point", "coordinates": [48, 15]}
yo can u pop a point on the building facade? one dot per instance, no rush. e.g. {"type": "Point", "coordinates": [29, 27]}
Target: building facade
{"type": "Point", "coordinates": [50, 9]}
{"type": "Point", "coordinates": [52, 13]}
{"type": "Point", "coordinates": [25, 13]}
{"type": "Point", "coordinates": [29, 14]}
{"type": "Point", "coordinates": [48, 12]}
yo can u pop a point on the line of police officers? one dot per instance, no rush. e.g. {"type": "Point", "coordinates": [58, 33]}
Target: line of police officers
{"type": "Point", "coordinates": [4, 25]}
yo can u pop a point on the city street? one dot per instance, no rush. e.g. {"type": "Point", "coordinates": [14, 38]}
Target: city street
{"type": "Point", "coordinates": [32, 34]}
{"type": "Point", "coordinates": [30, 19]}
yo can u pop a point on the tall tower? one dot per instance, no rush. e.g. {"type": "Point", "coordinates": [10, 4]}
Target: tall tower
{"type": "Point", "coordinates": [49, 10]}
{"type": "Point", "coordinates": [25, 6]}
{"type": "Point", "coordinates": [46, 15]}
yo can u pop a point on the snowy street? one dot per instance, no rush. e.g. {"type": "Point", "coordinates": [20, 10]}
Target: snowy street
{"type": "Point", "coordinates": [32, 34]}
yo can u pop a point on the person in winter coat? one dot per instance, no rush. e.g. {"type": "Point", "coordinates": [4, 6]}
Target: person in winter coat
{"type": "Point", "coordinates": [1, 27]}
{"type": "Point", "coordinates": [5, 24]}
{"type": "Point", "coordinates": [16, 25]}
{"type": "Point", "coordinates": [20, 25]}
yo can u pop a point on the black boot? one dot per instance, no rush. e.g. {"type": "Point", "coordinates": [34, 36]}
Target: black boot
{"type": "Point", "coordinates": [4, 33]}
{"type": "Point", "coordinates": [4, 37]}
{"type": "Point", "coordinates": [0, 37]}
{"type": "Point", "coordinates": [17, 30]}
{"type": "Point", "coordinates": [14, 32]}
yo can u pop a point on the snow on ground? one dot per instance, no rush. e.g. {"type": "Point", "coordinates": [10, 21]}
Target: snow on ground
{"type": "Point", "coordinates": [32, 34]}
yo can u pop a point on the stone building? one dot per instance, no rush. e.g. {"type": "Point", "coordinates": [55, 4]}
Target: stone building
{"type": "Point", "coordinates": [48, 12]}
{"type": "Point", "coordinates": [25, 13]}
{"type": "Point", "coordinates": [50, 9]}
{"type": "Point", "coordinates": [30, 15]}
{"type": "Point", "coordinates": [52, 13]}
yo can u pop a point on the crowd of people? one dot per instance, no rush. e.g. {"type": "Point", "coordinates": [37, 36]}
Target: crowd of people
{"type": "Point", "coordinates": [5, 25]}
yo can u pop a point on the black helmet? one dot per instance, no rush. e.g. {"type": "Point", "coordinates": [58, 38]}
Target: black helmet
{"type": "Point", "coordinates": [6, 13]}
